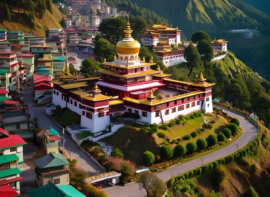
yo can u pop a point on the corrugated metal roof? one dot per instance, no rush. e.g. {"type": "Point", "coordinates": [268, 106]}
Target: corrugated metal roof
{"type": "Point", "coordinates": [51, 160]}
{"type": "Point", "coordinates": [10, 172]}
{"type": "Point", "coordinates": [45, 191]}
{"type": "Point", "coordinates": [70, 191]}
{"type": "Point", "coordinates": [8, 158]}
{"type": "Point", "coordinates": [11, 141]}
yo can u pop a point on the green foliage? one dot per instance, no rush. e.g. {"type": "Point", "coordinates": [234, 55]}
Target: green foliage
{"type": "Point", "coordinates": [227, 132]}
{"type": "Point", "coordinates": [191, 147]}
{"type": "Point", "coordinates": [90, 67]}
{"type": "Point", "coordinates": [161, 135]}
{"type": "Point", "coordinates": [192, 56]}
{"type": "Point", "coordinates": [201, 143]}
{"type": "Point", "coordinates": [170, 182]}
{"type": "Point", "coordinates": [194, 134]}
{"type": "Point", "coordinates": [166, 152]}
{"type": "Point", "coordinates": [187, 137]}
{"type": "Point", "coordinates": [233, 127]}
{"type": "Point", "coordinates": [185, 188]}
{"type": "Point", "coordinates": [212, 140]}
{"type": "Point", "coordinates": [200, 36]}
{"type": "Point", "coordinates": [192, 117]}
{"type": "Point", "coordinates": [179, 150]}
{"type": "Point", "coordinates": [148, 158]}
{"type": "Point", "coordinates": [221, 174]}
{"type": "Point", "coordinates": [104, 49]}
{"type": "Point", "coordinates": [209, 125]}
{"type": "Point", "coordinates": [235, 121]}
{"type": "Point", "coordinates": [206, 51]}
{"type": "Point", "coordinates": [171, 123]}
{"type": "Point", "coordinates": [221, 137]}
{"type": "Point", "coordinates": [251, 192]}
{"type": "Point", "coordinates": [117, 153]}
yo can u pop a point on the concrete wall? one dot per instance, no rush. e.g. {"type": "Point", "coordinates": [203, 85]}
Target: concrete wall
{"type": "Point", "coordinates": [64, 178]}
{"type": "Point", "coordinates": [13, 127]}
{"type": "Point", "coordinates": [173, 61]}
{"type": "Point", "coordinates": [18, 152]}
{"type": "Point", "coordinates": [95, 124]}
{"type": "Point", "coordinates": [219, 57]}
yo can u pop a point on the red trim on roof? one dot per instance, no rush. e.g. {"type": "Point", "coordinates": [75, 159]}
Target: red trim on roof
{"type": "Point", "coordinates": [54, 138]}
{"type": "Point", "coordinates": [20, 45]}
{"type": "Point", "coordinates": [5, 133]}
{"type": "Point", "coordinates": [7, 191]}
{"type": "Point", "coordinates": [11, 102]}
{"type": "Point", "coordinates": [2, 91]}
{"type": "Point", "coordinates": [42, 81]}
{"type": "Point", "coordinates": [43, 84]}
{"type": "Point", "coordinates": [5, 181]}
{"type": "Point", "coordinates": [26, 55]}
{"type": "Point", "coordinates": [11, 140]}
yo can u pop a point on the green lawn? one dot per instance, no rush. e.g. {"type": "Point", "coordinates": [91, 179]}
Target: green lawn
{"type": "Point", "coordinates": [69, 117]}
{"type": "Point", "coordinates": [83, 134]}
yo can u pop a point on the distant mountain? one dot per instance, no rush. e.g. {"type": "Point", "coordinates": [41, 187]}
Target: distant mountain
{"type": "Point", "coordinates": [208, 15]}
{"type": "Point", "coordinates": [263, 5]}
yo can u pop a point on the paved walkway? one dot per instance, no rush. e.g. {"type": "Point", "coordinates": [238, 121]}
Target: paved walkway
{"type": "Point", "coordinates": [46, 123]}
{"type": "Point", "coordinates": [249, 133]}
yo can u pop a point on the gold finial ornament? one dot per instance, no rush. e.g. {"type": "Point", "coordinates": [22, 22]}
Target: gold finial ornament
{"type": "Point", "coordinates": [158, 68]}
{"type": "Point", "coordinates": [128, 31]}
{"type": "Point", "coordinates": [127, 63]}
{"type": "Point", "coordinates": [114, 58]}
{"type": "Point", "coordinates": [201, 78]}
{"type": "Point", "coordinates": [143, 59]}
{"type": "Point", "coordinates": [96, 89]}
{"type": "Point", "coordinates": [67, 68]}
{"type": "Point", "coordinates": [151, 95]}
{"type": "Point", "coordinates": [104, 60]}
{"type": "Point", "coordinates": [151, 60]}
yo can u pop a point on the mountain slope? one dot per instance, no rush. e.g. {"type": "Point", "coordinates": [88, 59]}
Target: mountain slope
{"type": "Point", "coordinates": [262, 5]}
{"type": "Point", "coordinates": [210, 15]}
{"type": "Point", "coordinates": [40, 25]}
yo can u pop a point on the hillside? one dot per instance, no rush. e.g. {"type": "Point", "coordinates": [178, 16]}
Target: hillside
{"type": "Point", "coordinates": [262, 5]}
{"type": "Point", "coordinates": [40, 25]}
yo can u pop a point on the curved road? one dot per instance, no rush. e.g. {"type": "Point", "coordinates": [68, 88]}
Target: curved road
{"type": "Point", "coordinates": [249, 133]}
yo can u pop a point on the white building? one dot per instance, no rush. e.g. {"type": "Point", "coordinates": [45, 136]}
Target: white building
{"type": "Point", "coordinates": [219, 45]}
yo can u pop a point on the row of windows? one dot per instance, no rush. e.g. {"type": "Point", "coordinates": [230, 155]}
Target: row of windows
{"type": "Point", "coordinates": [89, 115]}
{"type": "Point", "coordinates": [177, 56]}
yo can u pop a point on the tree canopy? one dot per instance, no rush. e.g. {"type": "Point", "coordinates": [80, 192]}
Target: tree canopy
{"type": "Point", "coordinates": [89, 68]}
{"type": "Point", "coordinates": [192, 57]}
{"type": "Point", "coordinates": [206, 51]}
{"type": "Point", "coordinates": [199, 36]}
{"type": "Point", "coordinates": [104, 49]}
{"type": "Point", "coordinates": [148, 158]}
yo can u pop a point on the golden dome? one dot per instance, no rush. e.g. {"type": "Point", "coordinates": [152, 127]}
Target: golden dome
{"type": "Point", "coordinates": [128, 45]}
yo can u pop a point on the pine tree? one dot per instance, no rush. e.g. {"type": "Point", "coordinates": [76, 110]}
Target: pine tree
{"type": "Point", "coordinates": [8, 16]}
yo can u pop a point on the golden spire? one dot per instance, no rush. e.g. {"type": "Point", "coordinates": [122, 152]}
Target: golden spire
{"type": "Point", "coordinates": [104, 60]}
{"type": "Point", "coordinates": [96, 89]}
{"type": "Point", "coordinates": [151, 95]}
{"type": "Point", "coordinates": [128, 31]}
{"type": "Point", "coordinates": [67, 68]}
{"type": "Point", "coordinates": [127, 63]}
{"type": "Point", "coordinates": [114, 58]}
{"type": "Point", "coordinates": [143, 59]}
{"type": "Point", "coordinates": [158, 68]}
{"type": "Point", "coordinates": [201, 78]}
{"type": "Point", "coordinates": [151, 60]}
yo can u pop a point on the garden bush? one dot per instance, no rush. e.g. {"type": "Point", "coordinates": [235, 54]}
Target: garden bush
{"type": "Point", "coordinates": [164, 127]}
{"type": "Point", "coordinates": [233, 127]}
{"type": "Point", "coordinates": [211, 140]}
{"type": "Point", "coordinates": [192, 117]}
{"type": "Point", "coordinates": [201, 143]}
{"type": "Point", "coordinates": [215, 109]}
{"type": "Point", "coordinates": [179, 139]}
{"type": "Point", "coordinates": [221, 137]}
{"type": "Point", "coordinates": [165, 142]}
{"type": "Point", "coordinates": [185, 188]}
{"type": "Point", "coordinates": [194, 134]}
{"type": "Point", "coordinates": [235, 121]}
{"type": "Point", "coordinates": [227, 132]}
{"type": "Point", "coordinates": [117, 153]}
{"type": "Point", "coordinates": [95, 151]}
{"type": "Point", "coordinates": [229, 159]}
{"type": "Point", "coordinates": [179, 150]}
{"type": "Point", "coordinates": [148, 158]}
{"type": "Point", "coordinates": [191, 147]}
{"type": "Point", "coordinates": [171, 123]}
{"type": "Point", "coordinates": [166, 152]}
{"type": "Point", "coordinates": [209, 125]}
{"type": "Point", "coordinates": [170, 182]}
{"type": "Point", "coordinates": [177, 121]}
{"type": "Point", "coordinates": [161, 135]}
{"type": "Point", "coordinates": [212, 122]}
{"type": "Point", "coordinates": [103, 158]}
{"type": "Point", "coordinates": [174, 141]}
{"type": "Point", "coordinates": [205, 168]}
{"type": "Point", "coordinates": [187, 137]}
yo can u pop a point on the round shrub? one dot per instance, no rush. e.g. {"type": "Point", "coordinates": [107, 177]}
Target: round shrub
{"type": "Point", "coordinates": [164, 127]}
{"type": "Point", "coordinates": [191, 147]}
{"type": "Point", "coordinates": [227, 132]}
{"type": "Point", "coordinates": [192, 117]}
{"type": "Point", "coordinates": [194, 134]}
{"type": "Point", "coordinates": [177, 121]}
{"type": "Point", "coordinates": [209, 125]}
{"type": "Point", "coordinates": [171, 123]}
{"type": "Point", "coordinates": [161, 135]}
{"type": "Point", "coordinates": [165, 142]}
{"type": "Point", "coordinates": [170, 182]}
{"type": "Point", "coordinates": [117, 153]}
{"type": "Point", "coordinates": [166, 152]}
{"type": "Point", "coordinates": [221, 137]}
{"type": "Point", "coordinates": [187, 137]}
{"type": "Point", "coordinates": [212, 140]}
{"type": "Point", "coordinates": [148, 158]}
{"type": "Point", "coordinates": [235, 121]}
{"type": "Point", "coordinates": [212, 122]}
{"type": "Point", "coordinates": [185, 188]}
{"type": "Point", "coordinates": [174, 141]}
{"type": "Point", "coordinates": [201, 143]}
{"type": "Point", "coordinates": [233, 127]}
{"type": "Point", "coordinates": [179, 150]}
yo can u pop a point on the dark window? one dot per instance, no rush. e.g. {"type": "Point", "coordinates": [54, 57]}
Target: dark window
{"type": "Point", "coordinates": [4, 166]}
{"type": "Point", "coordinates": [187, 106]}
{"type": "Point", "coordinates": [89, 115]}
{"type": "Point", "coordinates": [101, 114]}
{"type": "Point", "coordinates": [167, 112]}
{"type": "Point", "coordinates": [56, 181]}
{"type": "Point", "coordinates": [157, 113]}
{"type": "Point", "coordinates": [173, 109]}
{"type": "Point", "coordinates": [17, 126]}
{"type": "Point", "coordinates": [181, 108]}
{"type": "Point", "coordinates": [14, 149]}
{"type": "Point", "coordinates": [144, 114]}
{"type": "Point", "coordinates": [75, 103]}
{"type": "Point", "coordinates": [129, 110]}
{"type": "Point", "coordinates": [193, 104]}
{"type": "Point", "coordinates": [207, 99]}
{"type": "Point", "coordinates": [198, 102]}
{"type": "Point", "coordinates": [83, 113]}
{"type": "Point", "coordinates": [71, 102]}
{"type": "Point", "coordinates": [57, 93]}
{"type": "Point", "coordinates": [136, 112]}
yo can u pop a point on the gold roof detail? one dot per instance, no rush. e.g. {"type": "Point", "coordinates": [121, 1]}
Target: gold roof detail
{"type": "Point", "coordinates": [96, 89]}
{"type": "Point", "coordinates": [128, 31]}
{"type": "Point", "coordinates": [151, 95]}
{"type": "Point", "coordinates": [201, 78]}
{"type": "Point", "coordinates": [158, 68]}
{"type": "Point", "coordinates": [73, 86]}
{"type": "Point", "coordinates": [104, 60]}
{"type": "Point", "coordinates": [89, 97]}
{"type": "Point", "coordinates": [151, 60]}
{"type": "Point", "coordinates": [205, 84]}
{"type": "Point", "coordinates": [114, 58]}
{"type": "Point", "coordinates": [116, 102]}
{"type": "Point", "coordinates": [127, 76]}
{"type": "Point", "coordinates": [129, 67]}
{"type": "Point", "coordinates": [127, 63]}
{"type": "Point", "coordinates": [162, 75]}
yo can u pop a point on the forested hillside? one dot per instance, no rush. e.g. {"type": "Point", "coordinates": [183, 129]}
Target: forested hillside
{"type": "Point", "coordinates": [29, 16]}
{"type": "Point", "coordinates": [262, 5]}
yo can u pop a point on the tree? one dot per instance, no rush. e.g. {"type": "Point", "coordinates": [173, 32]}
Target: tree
{"type": "Point", "coordinates": [251, 192]}
{"type": "Point", "coordinates": [153, 185]}
{"type": "Point", "coordinates": [49, 5]}
{"type": "Point", "coordinates": [221, 137]}
{"type": "Point", "coordinates": [145, 53]}
{"type": "Point", "coordinates": [8, 16]}
{"type": "Point", "coordinates": [138, 24]}
{"type": "Point", "coordinates": [166, 152]}
{"type": "Point", "coordinates": [148, 158]}
{"type": "Point", "coordinates": [206, 51]}
{"type": "Point", "coordinates": [179, 150]}
{"type": "Point", "coordinates": [212, 140]}
{"type": "Point", "coordinates": [41, 8]}
{"type": "Point", "coordinates": [192, 57]}
{"type": "Point", "coordinates": [89, 68]}
{"type": "Point", "coordinates": [233, 127]}
{"type": "Point", "coordinates": [235, 121]}
{"type": "Point", "coordinates": [201, 143]}
{"type": "Point", "coordinates": [191, 147]}
{"type": "Point", "coordinates": [117, 153]}
{"type": "Point", "coordinates": [72, 69]}
{"type": "Point", "coordinates": [227, 132]}
{"type": "Point", "coordinates": [128, 170]}
{"type": "Point", "coordinates": [104, 49]}
{"type": "Point", "coordinates": [112, 29]}
{"type": "Point", "coordinates": [199, 36]}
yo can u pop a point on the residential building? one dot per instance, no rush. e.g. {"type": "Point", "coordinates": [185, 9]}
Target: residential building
{"type": "Point", "coordinates": [127, 84]}
{"type": "Point", "coordinates": [55, 191]}
{"type": "Point", "coordinates": [3, 92]}
{"type": "Point", "coordinates": [95, 21]}
{"type": "Point", "coordinates": [52, 169]}
{"type": "Point", "coordinates": [4, 79]}
{"type": "Point", "coordinates": [219, 45]}
{"type": "Point", "coordinates": [20, 48]}
{"type": "Point", "coordinates": [15, 37]}
{"type": "Point", "coordinates": [59, 63]}
{"type": "Point", "coordinates": [38, 50]}
{"type": "Point", "coordinates": [5, 46]}
{"type": "Point", "coordinates": [28, 63]}
{"type": "Point", "coordinates": [3, 35]}
{"type": "Point", "coordinates": [50, 139]}
{"type": "Point", "coordinates": [67, 22]}
{"type": "Point", "coordinates": [33, 41]}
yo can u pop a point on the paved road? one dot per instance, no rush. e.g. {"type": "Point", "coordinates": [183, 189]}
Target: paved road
{"type": "Point", "coordinates": [249, 133]}
{"type": "Point", "coordinates": [45, 122]}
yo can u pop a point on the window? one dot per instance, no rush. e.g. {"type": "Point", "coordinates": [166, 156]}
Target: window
{"type": "Point", "coordinates": [13, 184]}
{"type": "Point", "coordinates": [129, 110]}
{"type": "Point", "coordinates": [14, 149]}
{"type": "Point", "coordinates": [181, 108]}
{"type": "Point", "coordinates": [83, 113]}
{"type": "Point", "coordinates": [4, 166]}
{"type": "Point", "coordinates": [100, 114]}
{"type": "Point", "coordinates": [144, 114]}
{"type": "Point", "coordinates": [167, 112]}
{"type": "Point", "coordinates": [136, 112]}
{"type": "Point", "coordinates": [207, 99]}
{"type": "Point", "coordinates": [89, 115]}
{"type": "Point", "coordinates": [56, 181]}
{"type": "Point", "coordinates": [71, 102]}
{"type": "Point", "coordinates": [173, 109]}
{"type": "Point", "coordinates": [193, 104]}
{"type": "Point", "coordinates": [17, 126]}
{"type": "Point", "coordinates": [75, 103]}
{"type": "Point", "coordinates": [57, 93]}
{"type": "Point", "coordinates": [187, 106]}
{"type": "Point", "coordinates": [157, 114]}
{"type": "Point", "coordinates": [198, 102]}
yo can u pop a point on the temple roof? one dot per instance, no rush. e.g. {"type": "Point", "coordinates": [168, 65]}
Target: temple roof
{"type": "Point", "coordinates": [142, 64]}
{"type": "Point", "coordinates": [115, 73]}
{"type": "Point", "coordinates": [205, 84]}
{"type": "Point", "coordinates": [73, 85]}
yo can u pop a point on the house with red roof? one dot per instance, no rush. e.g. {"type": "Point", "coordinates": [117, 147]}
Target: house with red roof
{"type": "Point", "coordinates": [11, 149]}
{"type": "Point", "coordinates": [3, 92]}
{"type": "Point", "coordinates": [50, 139]}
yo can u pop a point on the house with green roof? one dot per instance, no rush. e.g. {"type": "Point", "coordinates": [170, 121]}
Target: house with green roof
{"type": "Point", "coordinates": [59, 63]}
{"type": "Point", "coordinates": [52, 168]}
{"type": "Point", "coordinates": [4, 77]}
{"type": "Point", "coordinates": [50, 139]}
{"type": "Point", "coordinates": [55, 191]}
{"type": "Point", "coordinates": [3, 34]}
{"type": "Point", "coordinates": [15, 37]}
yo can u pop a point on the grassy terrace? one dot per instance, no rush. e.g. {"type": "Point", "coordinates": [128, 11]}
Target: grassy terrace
{"type": "Point", "coordinates": [69, 117]}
